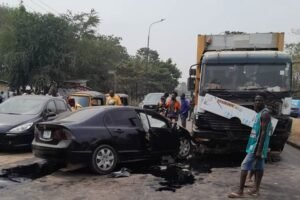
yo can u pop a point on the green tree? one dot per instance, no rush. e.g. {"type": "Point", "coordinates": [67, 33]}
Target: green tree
{"type": "Point", "coordinates": [294, 50]}
{"type": "Point", "coordinates": [37, 44]}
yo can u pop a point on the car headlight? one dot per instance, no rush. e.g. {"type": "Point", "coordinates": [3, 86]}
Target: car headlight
{"type": "Point", "coordinates": [21, 128]}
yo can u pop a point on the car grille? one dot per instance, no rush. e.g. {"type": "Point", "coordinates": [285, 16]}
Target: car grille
{"type": "Point", "coordinates": [150, 107]}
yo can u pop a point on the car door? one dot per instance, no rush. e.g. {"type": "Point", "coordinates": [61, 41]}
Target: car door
{"type": "Point", "coordinates": [127, 133]}
{"type": "Point", "coordinates": [162, 137]}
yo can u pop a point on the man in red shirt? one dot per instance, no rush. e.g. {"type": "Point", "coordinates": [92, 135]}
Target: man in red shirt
{"type": "Point", "coordinates": [173, 108]}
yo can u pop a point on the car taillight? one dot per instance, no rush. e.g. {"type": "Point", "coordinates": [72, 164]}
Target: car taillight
{"type": "Point", "coordinates": [61, 134]}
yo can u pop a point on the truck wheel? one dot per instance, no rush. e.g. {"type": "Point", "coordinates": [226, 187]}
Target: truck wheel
{"type": "Point", "coordinates": [185, 148]}
{"type": "Point", "coordinates": [104, 159]}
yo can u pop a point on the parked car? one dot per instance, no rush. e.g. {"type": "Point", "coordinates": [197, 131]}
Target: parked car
{"type": "Point", "coordinates": [124, 99]}
{"type": "Point", "coordinates": [104, 136]}
{"type": "Point", "coordinates": [295, 111]}
{"type": "Point", "coordinates": [86, 98]}
{"type": "Point", "coordinates": [18, 116]}
{"type": "Point", "coordinates": [151, 100]}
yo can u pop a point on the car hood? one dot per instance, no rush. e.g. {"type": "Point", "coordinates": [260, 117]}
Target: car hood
{"type": "Point", "coordinates": [150, 103]}
{"type": "Point", "coordinates": [8, 121]}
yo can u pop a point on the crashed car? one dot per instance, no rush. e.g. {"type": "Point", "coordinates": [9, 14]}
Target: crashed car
{"type": "Point", "coordinates": [104, 136]}
{"type": "Point", "coordinates": [18, 116]}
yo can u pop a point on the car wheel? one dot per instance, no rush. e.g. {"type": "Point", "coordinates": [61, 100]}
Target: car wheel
{"type": "Point", "coordinates": [104, 159]}
{"type": "Point", "coordinates": [185, 148]}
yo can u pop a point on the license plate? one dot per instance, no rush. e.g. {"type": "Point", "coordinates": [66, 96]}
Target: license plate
{"type": "Point", "coordinates": [46, 134]}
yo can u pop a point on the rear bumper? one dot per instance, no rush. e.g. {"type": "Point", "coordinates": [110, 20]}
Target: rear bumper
{"type": "Point", "coordinates": [15, 141]}
{"type": "Point", "coordinates": [61, 155]}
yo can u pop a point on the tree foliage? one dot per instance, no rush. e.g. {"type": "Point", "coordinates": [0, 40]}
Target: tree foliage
{"type": "Point", "coordinates": [294, 50]}
{"type": "Point", "coordinates": [36, 49]}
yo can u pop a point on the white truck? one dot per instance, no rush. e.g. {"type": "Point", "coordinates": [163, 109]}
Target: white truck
{"type": "Point", "coordinates": [236, 67]}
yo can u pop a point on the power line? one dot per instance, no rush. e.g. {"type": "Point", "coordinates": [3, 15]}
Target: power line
{"type": "Point", "coordinates": [48, 6]}
{"type": "Point", "coordinates": [40, 6]}
{"type": "Point", "coordinates": [27, 6]}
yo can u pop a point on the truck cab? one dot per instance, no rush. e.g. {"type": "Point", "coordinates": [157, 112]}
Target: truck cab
{"type": "Point", "coordinates": [238, 75]}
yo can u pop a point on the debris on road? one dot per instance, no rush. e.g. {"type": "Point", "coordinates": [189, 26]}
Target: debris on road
{"type": "Point", "coordinates": [122, 173]}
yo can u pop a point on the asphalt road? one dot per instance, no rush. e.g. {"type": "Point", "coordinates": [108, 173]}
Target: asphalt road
{"type": "Point", "coordinates": [211, 177]}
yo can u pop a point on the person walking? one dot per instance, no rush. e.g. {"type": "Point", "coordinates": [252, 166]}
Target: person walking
{"type": "Point", "coordinates": [257, 148]}
{"type": "Point", "coordinates": [113, 99]}
{"type": "Point", "coordinates": [161, 107]}
{"type": "Point", "coordinates": [1, 96]}
{"type": "Point", "coordinates": [173, 109]}
{"type": "Point", "coordinates": [184, 110]}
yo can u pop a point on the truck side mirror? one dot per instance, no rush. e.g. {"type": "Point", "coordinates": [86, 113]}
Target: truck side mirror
{"type": "Point", "coordinates": [192, 72]}
{"type": "Point", "coordinates": [191, 83]}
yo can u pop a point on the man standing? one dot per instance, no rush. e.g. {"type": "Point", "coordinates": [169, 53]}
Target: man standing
{"type": "Point", "coordinates": [113, 99]}
{"type": "Point", "coordinates": [161, 106]}
{"type": "Point", "coordinates": [257, 148]}
{"type": "Point", "coordinates": [184, 110]}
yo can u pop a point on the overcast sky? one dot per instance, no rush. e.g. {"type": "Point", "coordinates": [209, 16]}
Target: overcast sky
{"type": "Point", "coordinates": [175, 38]}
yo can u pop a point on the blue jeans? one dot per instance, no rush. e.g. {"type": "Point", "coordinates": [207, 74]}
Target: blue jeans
{"type": "Point", "coordinates": [252, 163]}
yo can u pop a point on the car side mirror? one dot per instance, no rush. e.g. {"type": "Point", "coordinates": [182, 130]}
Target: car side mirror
{"type": "Point", "coordinates": [49, 115]}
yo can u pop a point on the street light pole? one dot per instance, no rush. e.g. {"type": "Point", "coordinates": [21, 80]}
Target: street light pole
{"type": "Point", "coordinates": [113, 72]}
{"type": "Point", "coordinates": [161, 20]}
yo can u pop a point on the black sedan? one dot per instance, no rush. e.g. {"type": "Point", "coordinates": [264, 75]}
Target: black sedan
{"type": "Point", "coordinates": [18, 116]}
{"type": "Point", "coordinates": [104, 136]}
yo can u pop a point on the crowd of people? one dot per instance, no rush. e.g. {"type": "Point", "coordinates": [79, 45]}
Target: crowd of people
{"type": "Point", "coordinates": [174, 109]}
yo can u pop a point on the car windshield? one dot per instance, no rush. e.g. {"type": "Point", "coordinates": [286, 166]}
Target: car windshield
{"type": "Point", "coordinates": [24, 106]}
{"type": "Point", "coordinates": [153, 97]}
{"type": "Point", "coordinates": [271, 77]}
{"type": "Point", "coordinates": [83, 101]}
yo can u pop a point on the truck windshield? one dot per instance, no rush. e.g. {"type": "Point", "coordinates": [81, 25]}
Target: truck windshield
{"type": "Point", "coordinates": [271, 77]}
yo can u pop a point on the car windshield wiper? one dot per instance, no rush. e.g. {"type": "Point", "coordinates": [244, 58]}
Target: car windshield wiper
{"type": "Point", "coordinates": [256, 88]}
{"type": "Point", "coordinates": [222, 91]}
{"type": "Point", "coordinates": [216, 89]}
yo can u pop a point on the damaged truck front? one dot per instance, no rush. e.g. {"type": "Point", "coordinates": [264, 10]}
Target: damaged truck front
{"type": "Point", "coordinates": [236, 67]}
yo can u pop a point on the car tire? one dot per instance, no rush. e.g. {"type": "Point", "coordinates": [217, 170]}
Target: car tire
{"type": "Point", "coordinates": [104, 160]}
{"type": "Point", "coordinates": [185, 148]}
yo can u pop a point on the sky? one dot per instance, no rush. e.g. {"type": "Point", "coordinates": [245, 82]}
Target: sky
{"type": "Point", "coordinates": [176, 37]}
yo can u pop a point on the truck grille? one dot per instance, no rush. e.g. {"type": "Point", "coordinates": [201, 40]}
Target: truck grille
{"type": "Point", "coordinates": [218, 123]}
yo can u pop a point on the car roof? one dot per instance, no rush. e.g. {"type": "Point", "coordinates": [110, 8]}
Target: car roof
{"type": "Point", "coordinates": [41, 97]}
{"type": "Point", "coordinates": [89, 93]}
{"type": "Point", "coordinates": [107, 108]}
{"type": "Point", "coordinates": [157, 93]}
{"type": "Point", "coordinates": [122, 95]}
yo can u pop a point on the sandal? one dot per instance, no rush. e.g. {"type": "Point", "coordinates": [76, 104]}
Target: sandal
{"type": "Point", "coordinates": [253, 193]}
{"type": "Point", "coordinates": [235, 195]}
